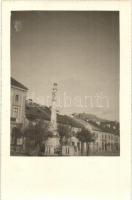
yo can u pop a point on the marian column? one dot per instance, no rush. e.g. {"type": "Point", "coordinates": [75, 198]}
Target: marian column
{"type": "Point", "coordinates": [52, 144]}
{"type": "Point", "coordinates": [53, 121]}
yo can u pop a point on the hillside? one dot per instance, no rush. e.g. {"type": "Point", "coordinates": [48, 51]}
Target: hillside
{"type": "Point", "coordinates": [90, 117]}
{"type": "Point", "coordinates": [80, 120]}
{"type": "Point", "coordinates": [103, 125]}
{"type": "Point", "coordinates": [36, 111]}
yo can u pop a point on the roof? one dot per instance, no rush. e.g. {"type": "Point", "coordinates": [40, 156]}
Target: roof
{"type": "Point", "coordinates": [17, 84]}
{"type": "Point", "coordinates": [74, 139]}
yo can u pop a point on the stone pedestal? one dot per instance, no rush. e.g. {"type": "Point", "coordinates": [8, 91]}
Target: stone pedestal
{"type": "Point", "coordinates": [51, 146]}
{"type": "Point", "coordinates": [67, 150]}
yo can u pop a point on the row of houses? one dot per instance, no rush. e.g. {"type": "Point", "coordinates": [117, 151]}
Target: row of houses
{"type": "Point", "coordinates": [106, 134]}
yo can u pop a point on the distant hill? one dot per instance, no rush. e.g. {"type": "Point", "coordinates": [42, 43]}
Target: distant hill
{"type": "Point", "coordinates": [85, 116]}
{"type": "Point", "coordinates": [89, 117]}
{"type": "Point", "coordinates": [102, 124]}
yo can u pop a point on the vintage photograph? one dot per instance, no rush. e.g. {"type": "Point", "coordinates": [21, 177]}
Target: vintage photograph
{"type": "Point", "coordinates": [65, 83]}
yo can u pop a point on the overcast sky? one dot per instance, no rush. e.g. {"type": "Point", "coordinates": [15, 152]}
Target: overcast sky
{"type": "Point", "coordinates": [78, 50]}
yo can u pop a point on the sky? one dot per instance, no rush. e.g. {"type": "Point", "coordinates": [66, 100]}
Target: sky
{"type": "Point", "coordinates": [77, 49]}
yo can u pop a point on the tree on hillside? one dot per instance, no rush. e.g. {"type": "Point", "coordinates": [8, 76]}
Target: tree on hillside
{"type": "Point", "coordinates": [85, 136]}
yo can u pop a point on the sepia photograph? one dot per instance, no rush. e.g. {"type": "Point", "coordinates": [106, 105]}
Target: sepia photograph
{"type": "Point", "coordinates": [65, 83]}
{"type": "Point", "coordinates": [66, 100]}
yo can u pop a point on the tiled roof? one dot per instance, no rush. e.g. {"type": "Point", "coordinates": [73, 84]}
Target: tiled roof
{"type": "Point", "coordinates": [17, 84]}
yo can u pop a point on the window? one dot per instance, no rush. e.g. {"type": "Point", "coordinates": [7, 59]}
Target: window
{"type": "Point", "coordinates": [17, 98]}
{"type": "Point", "coordinates": [13, 119]}
{"type": "Point", "coordinates": [15, 112]}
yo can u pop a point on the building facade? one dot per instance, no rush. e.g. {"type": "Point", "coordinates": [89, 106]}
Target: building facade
{"type": "Point", "coordinates": [18, 99]}
{"type": "Point", "coordinates": [72, 147]}
{"type": "Point", "coordinates": [106, 141]}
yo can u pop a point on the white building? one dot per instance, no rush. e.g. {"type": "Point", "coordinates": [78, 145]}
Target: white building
{"type": "Point", "coordinates": [105, 141]}
{"type": "Point", "coordinates": [72, 148]}
{"type": "Point", "coordinates": [18, 100]}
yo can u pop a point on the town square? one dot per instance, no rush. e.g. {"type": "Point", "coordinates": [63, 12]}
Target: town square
{"type": "Point", "coordinates": [64, 84]}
